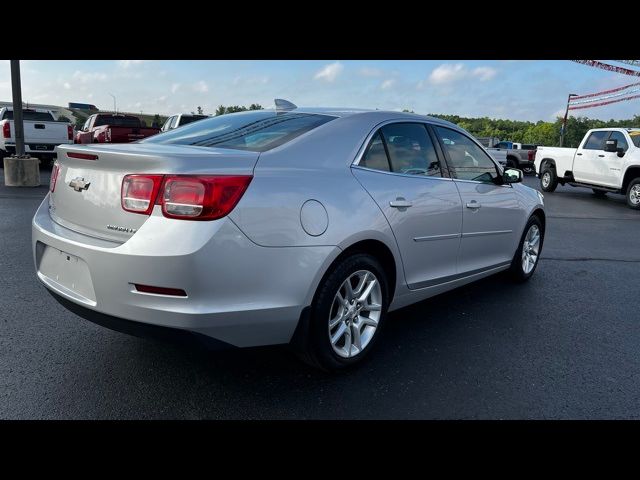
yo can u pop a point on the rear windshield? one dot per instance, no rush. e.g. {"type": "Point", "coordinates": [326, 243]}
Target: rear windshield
{"type": "Point", "coordinates": [635, 137]}
{"type": "Point", "coordinates": [191, 118]}
{"type": "Point", "coordinates": [117, 121]}
{"type": "Point", "coordinates": [257, 131]}
{"type": "Point", "coordinates": [30, 115]}
{"type": "Point", "coordinates": [528, 147]}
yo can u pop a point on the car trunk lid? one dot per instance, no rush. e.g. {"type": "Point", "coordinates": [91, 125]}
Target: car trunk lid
{"type": "Point", "coordinates": [86, 198]}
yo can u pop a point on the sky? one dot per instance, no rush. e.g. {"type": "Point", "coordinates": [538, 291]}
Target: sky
{"type": "Point", "coordinates": [509, 89]}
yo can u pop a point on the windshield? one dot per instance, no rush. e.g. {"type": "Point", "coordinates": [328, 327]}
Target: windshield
{"type": "Point", "coordinates": [30, 115]}
{"type": "Point", "coordinates": [257, 131]}
{"type": "Point", "coordinates": [635, 137]}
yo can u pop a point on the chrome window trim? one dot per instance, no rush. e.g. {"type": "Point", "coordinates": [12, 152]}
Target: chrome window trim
{"type": "Point", "coordinates": [400, 174]}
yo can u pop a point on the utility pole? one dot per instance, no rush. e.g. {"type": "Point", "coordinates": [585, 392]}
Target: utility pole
{"type": "Point", "coordinates": [20, 170]}
{"type": "Point", "coordinates": [115, 110]}
{"type": "Point", "coordinates": [563, 130]}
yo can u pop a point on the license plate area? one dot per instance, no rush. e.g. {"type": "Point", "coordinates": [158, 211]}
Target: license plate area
{"type": "Point", "coordinates": [67, 273]}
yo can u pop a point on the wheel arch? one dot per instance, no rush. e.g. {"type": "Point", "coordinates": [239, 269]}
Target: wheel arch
{"type": "Point", "coordinates": [550, 161]}
{"type": "Point", "coordinates": [630, 174]}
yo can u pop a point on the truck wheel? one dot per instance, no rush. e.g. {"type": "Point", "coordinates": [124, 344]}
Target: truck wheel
{"type": "Point", "coordinates": [511, 163]}
{"type": "Point", "coordinates": [599, 193]}
{"type": "Point", "coordinates": [633, 194]}
{"type": "Point", "coordinates": [548, 179]}
{"type": "Point", "coordinates": [527, 255]}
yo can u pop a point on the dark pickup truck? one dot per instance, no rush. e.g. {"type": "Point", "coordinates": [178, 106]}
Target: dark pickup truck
{"type": "Point", "coordinates": [113, 128]}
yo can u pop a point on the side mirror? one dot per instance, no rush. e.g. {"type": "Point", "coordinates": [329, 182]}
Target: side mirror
{"type": "Point", "coordinates": [512, 175]}
{"type": "Point", "coordinates": [620, 152]}
{"type": "Point", "coordinates": [611, 146]}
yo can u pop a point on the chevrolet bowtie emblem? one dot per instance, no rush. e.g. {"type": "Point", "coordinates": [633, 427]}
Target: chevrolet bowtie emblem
{"type": "Point", "coordinates": [78, 184]}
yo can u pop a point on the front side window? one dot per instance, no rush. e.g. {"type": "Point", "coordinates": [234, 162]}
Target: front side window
{"type": "Point", "coordinates": [596, 140]}
{"type": "Point", "coordinates": [622, 142]}
{"type": "Point", "coordinates": [411, 150]}
{"type": "Point", "coordinates": [467, 160]}
{"type": "Point", "coordinates": [256, 131]}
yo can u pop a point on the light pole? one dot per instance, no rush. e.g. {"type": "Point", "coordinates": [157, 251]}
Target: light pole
{"type": "Point", "coordinates": [563, 130]}
{"type": "Point", "coordinates": [115, 110]}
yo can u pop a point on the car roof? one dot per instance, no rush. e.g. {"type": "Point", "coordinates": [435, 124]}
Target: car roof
{"type": "Point", "coordinates": [380, 114]}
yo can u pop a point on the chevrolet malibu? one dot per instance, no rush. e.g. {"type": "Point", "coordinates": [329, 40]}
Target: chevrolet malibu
{"type": "Point", "coordinates": [286, 226]}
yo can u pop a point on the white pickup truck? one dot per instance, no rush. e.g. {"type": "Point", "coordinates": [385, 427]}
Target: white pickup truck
{"type": "Point", "coordinates": [607, 161]}
{"type": "Point", "coordinates": [42, 133]}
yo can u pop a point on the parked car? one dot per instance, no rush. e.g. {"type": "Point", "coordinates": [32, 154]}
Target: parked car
{"type": "Point", "coordinates": [607, 161]}
{"type": "Point", "coordinates": [113, 128]}
{"type": "Point", "coordinates": [289, 226]}
{"type": "Point", "coordinates": [176, 121]}
{"type": "Point", "coordinates": [518, 155]}
{"type": "Point", "coordinates": [42, 133]}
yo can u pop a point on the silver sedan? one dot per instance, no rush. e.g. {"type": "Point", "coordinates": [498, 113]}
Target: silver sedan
{"type": "Point", "coordinates": [288, 226]}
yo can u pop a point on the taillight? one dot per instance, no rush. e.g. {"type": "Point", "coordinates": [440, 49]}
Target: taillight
{"type": "Point", "coordinates": [532, 155]}
{"type": "Point", "coordinates": [6, 130]}
{"type": "Point", "coordinates": [187, 197]}
{"type": "Point", "coordinates": [202, 197]}
{"type": "Point", "coordinates": [54, 177]}
{"type": "Point", "coordinates": [139, 192]}
{"type": "Point", "coordinates": [70, 132]}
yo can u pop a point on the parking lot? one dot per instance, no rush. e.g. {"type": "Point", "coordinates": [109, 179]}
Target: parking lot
{"type": "Point", "coordinates": [563, 346]}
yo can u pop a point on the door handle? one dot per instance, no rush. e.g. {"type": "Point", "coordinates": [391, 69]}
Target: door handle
{"type": "Point", "coordinates": [400, 203]}
{"type": "Point", "coordinates": [579, 154]}
{"type": "Point", "coordinates": [601, 155]}
{"type": "Point", "coordinates": [473, 204]}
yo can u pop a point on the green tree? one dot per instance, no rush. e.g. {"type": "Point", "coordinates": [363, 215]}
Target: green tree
{"type": "Point", "coordinates": [200, 111]}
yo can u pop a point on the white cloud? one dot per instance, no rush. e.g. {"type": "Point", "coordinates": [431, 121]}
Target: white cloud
{"type": "Point", "coordinates": [67, 86]}
{"type": "Point", "coordinates": [88, 77]}
{"type": "Point", "coordinates": [484, 73]}
{"type": "Point", "coordinates": [128, 63]}
{"type": "Point", "coordinates": [329, 72]}
{"type": "Point", "coordinates": [201, 87]}
{"type": "Point", "coordinates": [370, 72]}
{"type": "Point", "coordinates": [175, 87]}
{"type": "Point", "coordinates": [447, 73]}
{"type": "Point", "coordinates": [162, 99]}
{"type": "Point", "coordinates": [388, 83]}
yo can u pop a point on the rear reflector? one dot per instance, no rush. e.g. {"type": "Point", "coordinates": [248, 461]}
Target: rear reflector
{"type": "Point", "coordinates": [139, 192]}
{"type": "Point", "coordinates": [176, 292]}
{"type": "Point", "coordinates": [54, 177]}
{"type": "Point", "coordinates": [82, 156]}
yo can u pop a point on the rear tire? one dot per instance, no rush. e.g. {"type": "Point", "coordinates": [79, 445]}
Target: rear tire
{"type": "Point", "coordinates": [599, 193]}
{"type": "Point", "coordinates": [511, 163]}
{"type": "Point", "coordinates": [548, 179]}
{"type": "Point", "coordinates": [527, 255]}
{"type": "Point", "coordinates": [333, 312]}
{"type": "Point", "coordinates": [633, 194]}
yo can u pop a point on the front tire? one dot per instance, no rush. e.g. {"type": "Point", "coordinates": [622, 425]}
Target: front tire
{"type": "Point", "coordinates": [548, 179]}
{"type": "Point", "coordinates": [633, 194]}
{"type": "Point", "coordinates": [347, 314]}
{"type": "Point", "coordinates": [527, 255]}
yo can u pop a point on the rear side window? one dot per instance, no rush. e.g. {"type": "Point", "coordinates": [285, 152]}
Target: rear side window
{"type": "Point", "coordinates": [30, 116]}
{"type": "Point", "coordinates": [375, 157]}
{"type": "Point", "coordinates": [596, 141]}
{"type": "Point", "coordinates": [635, 137]}
{"type": "Point", "coordinates": [410, 149]}
{"type": "Point", "coordinates": [191, 118]}
{"type": "Point", "coordinates": [257, 131]}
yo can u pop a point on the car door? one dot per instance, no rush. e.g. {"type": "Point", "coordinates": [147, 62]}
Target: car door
{"type": "Point", "coordinates": [402, 172]}
{"type": "Point", "coordinates": [612, 162]}
{"type": "Point", "coordinates": [588, 166]}
{"type": "Point", "coordinates": [492, 219]}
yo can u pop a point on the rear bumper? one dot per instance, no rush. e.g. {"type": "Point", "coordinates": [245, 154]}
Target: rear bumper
{"type": "Point", "coordinates": [237, 292]}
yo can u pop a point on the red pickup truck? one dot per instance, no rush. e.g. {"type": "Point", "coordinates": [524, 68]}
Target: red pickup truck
{"type": "Point", "coordinates": [113, 128]}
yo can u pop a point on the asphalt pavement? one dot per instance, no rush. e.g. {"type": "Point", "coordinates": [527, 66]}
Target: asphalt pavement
{"type": "Point", "coordinates": [565, 345]}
